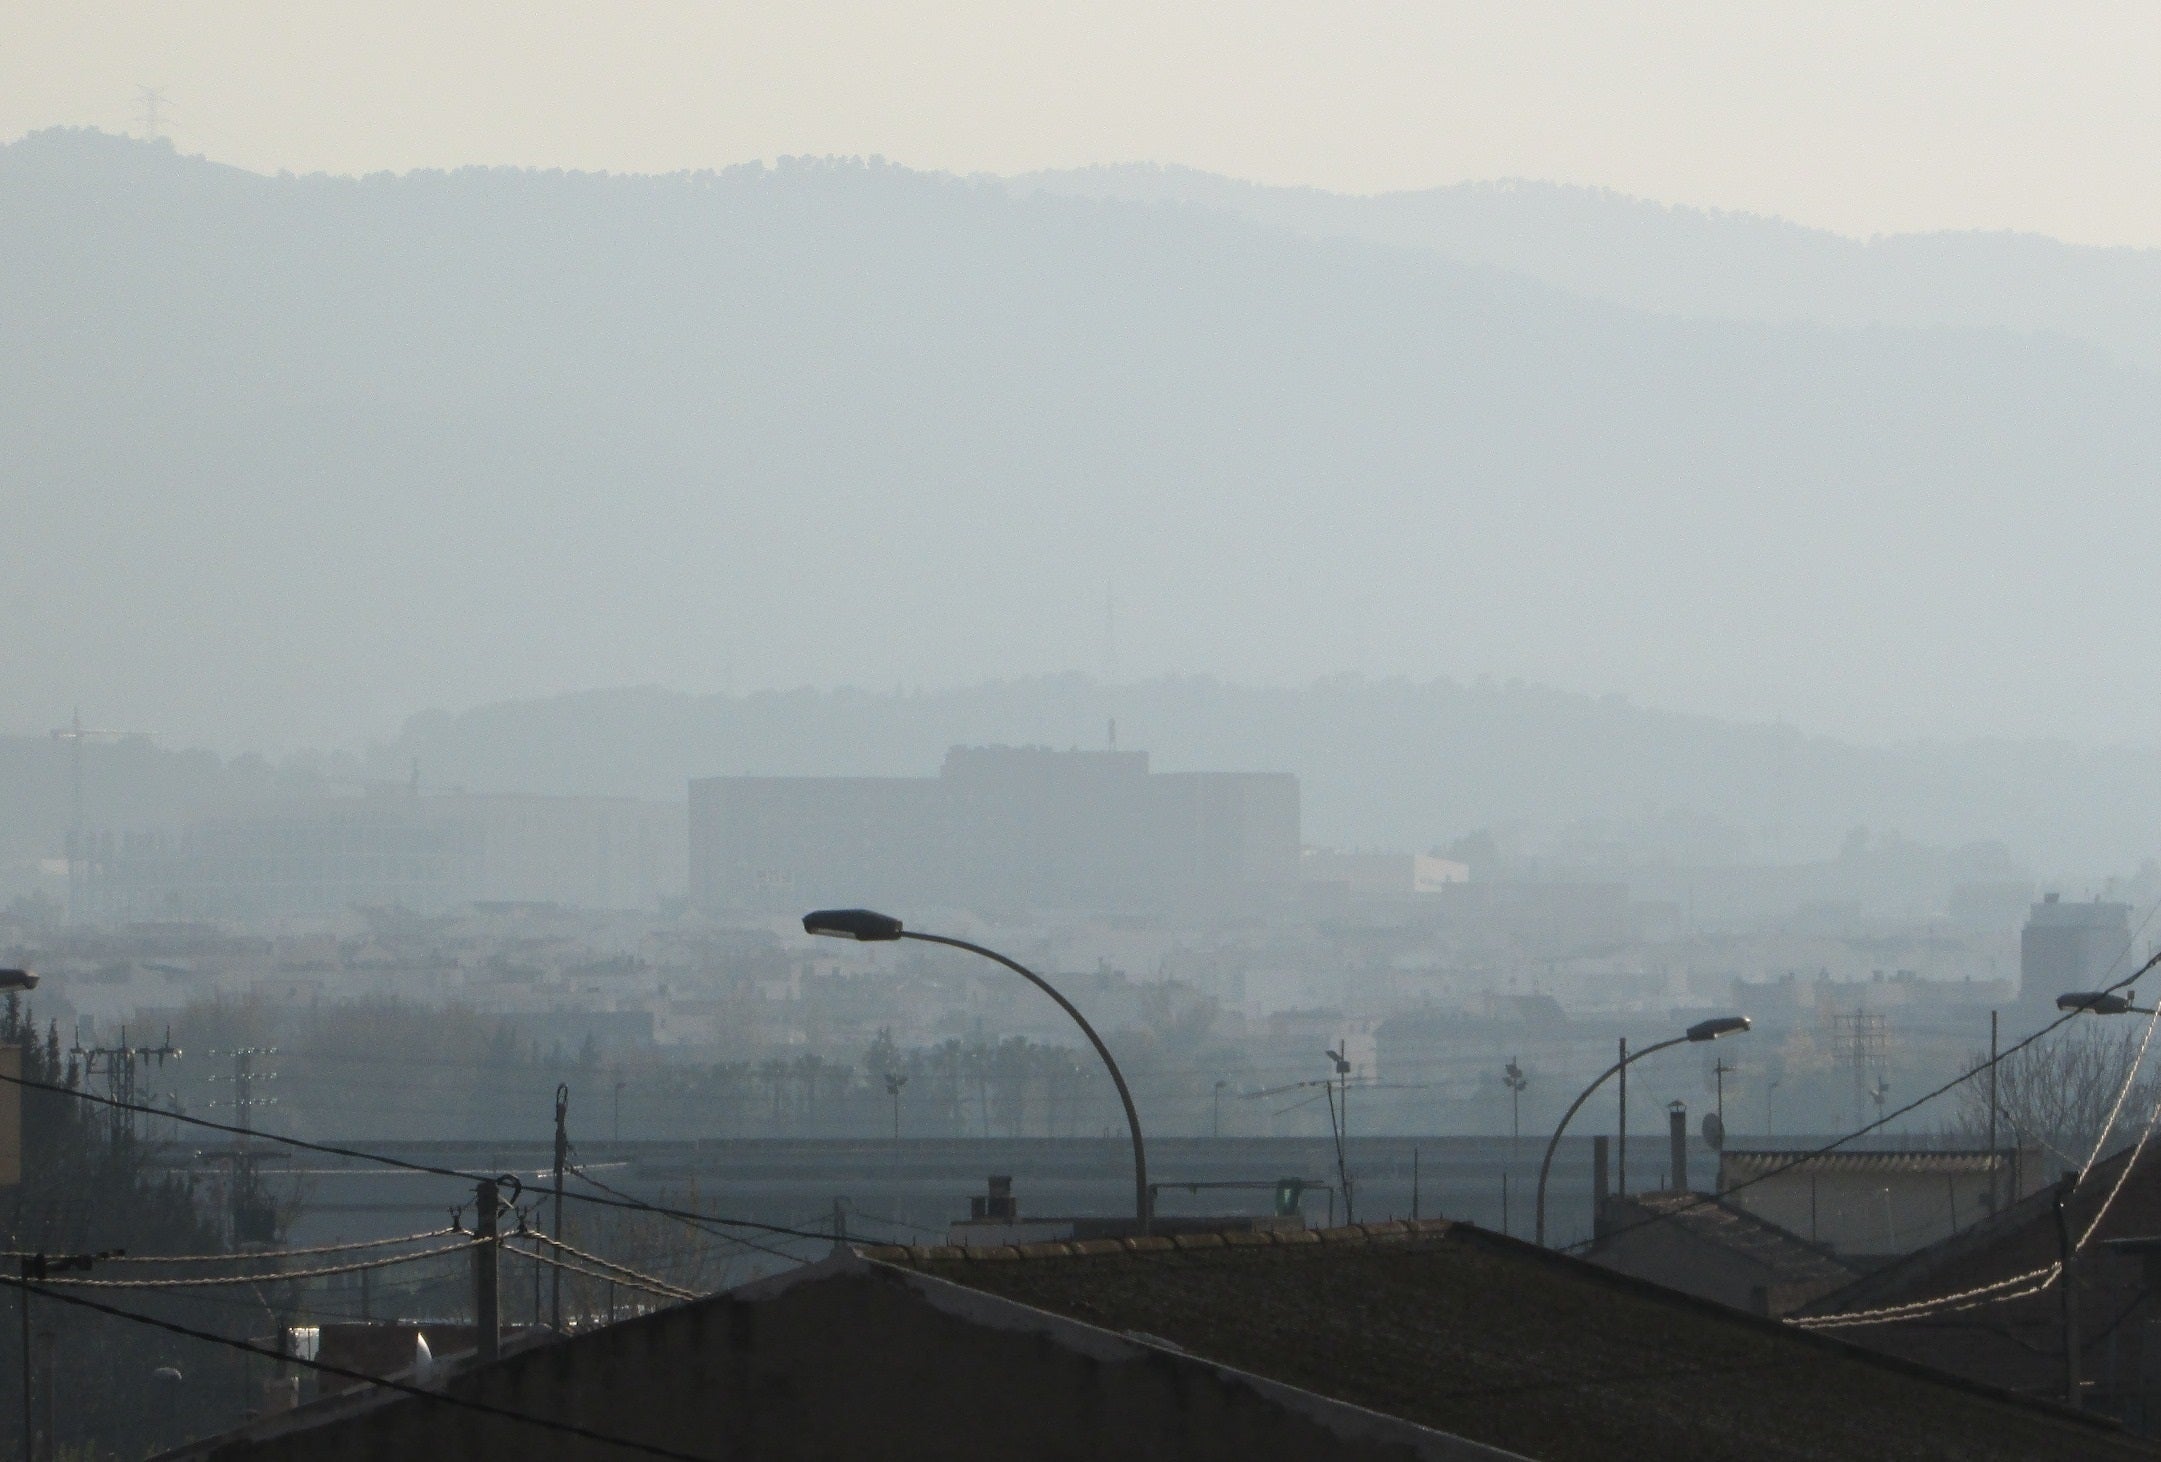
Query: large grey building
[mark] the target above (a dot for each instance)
(999, 828)
(2081, 946)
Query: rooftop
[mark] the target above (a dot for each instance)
(1462, 1330)
(1785, 1257)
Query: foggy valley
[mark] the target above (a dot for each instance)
(1085, 808)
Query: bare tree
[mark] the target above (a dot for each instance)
(2057, 1093)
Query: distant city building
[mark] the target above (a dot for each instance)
(2072, 947)
(1382, 875)
(316, 856)
(999, 827)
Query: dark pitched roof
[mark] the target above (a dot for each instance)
(1745, 1165)
(1488, 1338)
(2018, 1240)
(1791, 1265)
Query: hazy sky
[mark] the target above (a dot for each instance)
(1858, 117)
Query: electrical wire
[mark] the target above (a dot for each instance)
(619, 1200)
(205, 1281)
(1799, 1159)
(2035, 1280)
(444, 1398)
(695, 1220)
(339, 1248)
(577, 1253)
(642, 1282)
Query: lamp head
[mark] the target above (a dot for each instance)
(18, 980)
(2097, 1002)
(1720, 1025)
(866, 925)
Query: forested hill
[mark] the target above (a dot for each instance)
(1693, 261)
(289, 457)
(1382, 763)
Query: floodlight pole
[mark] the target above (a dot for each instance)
(1142, 1214)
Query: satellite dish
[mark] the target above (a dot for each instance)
(1714, 1132)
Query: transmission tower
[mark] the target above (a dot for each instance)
(150, 107)
(119, 1065)
(1867, 1044)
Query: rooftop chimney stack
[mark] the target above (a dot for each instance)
(1677, 1135)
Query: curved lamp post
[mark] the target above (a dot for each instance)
(872, 928)
(1702, 1030)
(2093, 1002)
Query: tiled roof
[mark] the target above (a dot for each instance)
(1485, 1337)
(1788, 1258)
(1751, 1163)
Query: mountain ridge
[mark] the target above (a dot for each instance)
(289, 456)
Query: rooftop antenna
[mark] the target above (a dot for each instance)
(1110, 635)
(1110, 652)
(150, 112)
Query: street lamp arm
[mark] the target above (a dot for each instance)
(1554, 1142)
(1142, 1209)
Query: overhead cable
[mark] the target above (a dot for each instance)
(444, 1398)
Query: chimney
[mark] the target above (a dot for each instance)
(1598, 1186)
(1677, 1135)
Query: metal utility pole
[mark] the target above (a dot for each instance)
(36, 1267)
(22, 1305)
(562, 1155)
(244, 1212)
(1215, 1129)
(840, 1222)
(1719, 1068)
(48, 1343)
(2067, 1290)
(1994, 1177)
(1620, 1163)
(487, 1276)
(1341, 1124)
(893, 1084)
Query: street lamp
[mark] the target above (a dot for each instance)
(2099, 1002)
(871, 927)
(1513, 1078)
(893, 1083)
(1702, 1030)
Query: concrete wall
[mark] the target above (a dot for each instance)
(853, 1360)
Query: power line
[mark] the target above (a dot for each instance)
(443, 1397)
(1698, 1200)
(621, 1200)
(339, 1248)
(695, 1220)
(204, 1281)
(613, 1273)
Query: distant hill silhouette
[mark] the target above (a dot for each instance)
(1383, 764)
(1697, 262)
(288, 457)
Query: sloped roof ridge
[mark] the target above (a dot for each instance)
(1351, 1236)
(1899, 1276)
(1393, 1231)
(1952, 1159)
(1757, 1236)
